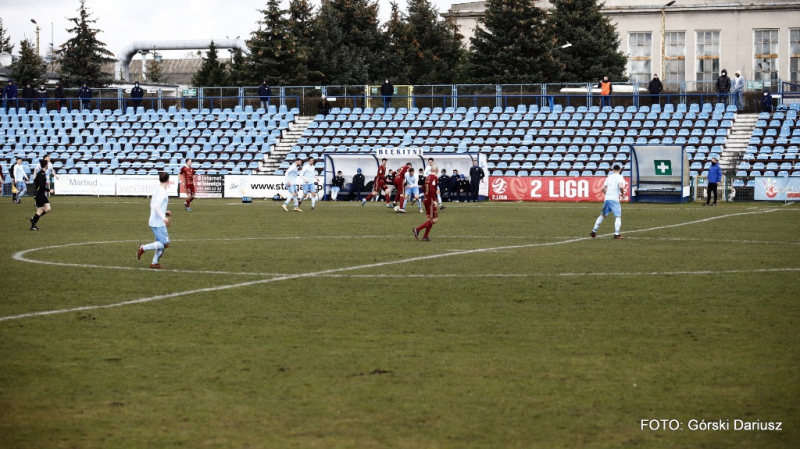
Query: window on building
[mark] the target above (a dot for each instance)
(765, 65)
(794, 56)
(674, 58)
(707, 59)
(640, 50)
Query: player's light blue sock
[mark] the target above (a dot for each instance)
(295, 201)
(597, 223)
(286, 203)
(313, 201)
(617, 225)
(439, 197)
(151, 246)
(158, 254)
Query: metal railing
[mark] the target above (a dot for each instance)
(306, 98)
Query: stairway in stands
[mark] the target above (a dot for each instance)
(285, 144)
(738, 141)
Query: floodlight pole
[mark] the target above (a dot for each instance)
(663, 35)
(37, 36)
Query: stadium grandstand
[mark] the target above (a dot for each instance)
(521, 140)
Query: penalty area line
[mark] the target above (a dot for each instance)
(353, 268)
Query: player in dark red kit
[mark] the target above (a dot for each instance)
(399, 181)
(186, 177)
(431, 184)
(379, 185)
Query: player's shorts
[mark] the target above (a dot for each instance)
(41, 199)
(379, 185)
(612, 207)
(161, 234)
(292, 189)
(412, 191)
(309, 188)
(189, 188)
(431, 210)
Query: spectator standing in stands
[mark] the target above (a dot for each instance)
(137, 93)
(19, 177)
(337, 185)
(738, 90)
(41, 94)
(655, 88)
(28, 95)
(766, 102)
(264, 92)
(605, 91)
(723, 87)
(714, 177)
(10, 94)
(85, 94)
(476, 175)
(60, 97)
(324, 106)
(387, 90)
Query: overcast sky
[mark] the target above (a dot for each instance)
(123, 22)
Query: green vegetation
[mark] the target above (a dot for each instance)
(82, 56)
(512, 328)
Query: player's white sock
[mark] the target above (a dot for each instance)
(597, 223)
(617, 225)
(158, 254)
(286, 203)
(439, 198)
(295, 201)
(151, 246)
(313, 201)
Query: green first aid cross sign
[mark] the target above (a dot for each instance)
(663, 168)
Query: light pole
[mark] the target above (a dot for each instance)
(37, 36)
(663, 35)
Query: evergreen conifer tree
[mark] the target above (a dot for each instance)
(5, 40)
(155, 69)
(83, 55)
(29, 68)
(435, 45)
(301, 25)
(595, 46)
(272, 47)
(512, 44)
(212, 72)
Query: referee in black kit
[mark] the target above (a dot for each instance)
(40, 187)
(475, 175)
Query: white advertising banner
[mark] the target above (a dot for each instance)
(143, 185)
(256, 186)
(85, 185)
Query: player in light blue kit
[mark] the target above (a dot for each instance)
(159, 220)
(309, 176)
(614, 188)
(291, 186)
(412, 188)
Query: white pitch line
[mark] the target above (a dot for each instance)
(525, 275)
(354, 268)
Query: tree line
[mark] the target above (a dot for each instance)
(342, 42)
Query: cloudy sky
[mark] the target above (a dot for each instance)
(125, 21)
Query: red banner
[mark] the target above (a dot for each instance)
(549, 188)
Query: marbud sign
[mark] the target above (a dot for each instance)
(549, 188)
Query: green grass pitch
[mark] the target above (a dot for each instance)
(336, 328)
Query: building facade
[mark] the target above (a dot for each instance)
(759, 38)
